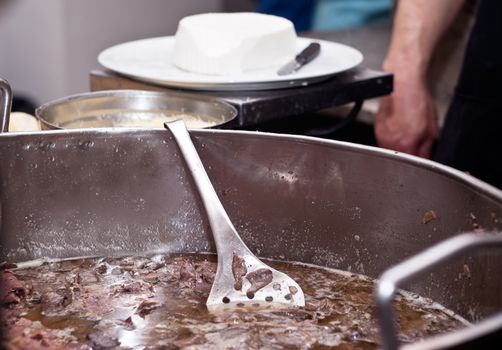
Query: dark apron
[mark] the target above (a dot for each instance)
(471, 139)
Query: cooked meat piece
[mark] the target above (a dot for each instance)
(187, 272)
(134, 287)
(146, 307)
(32, 335)
(169, 273)
(129, 324)
(11, 289)
(87, 277)
(99, 341)
(7, 265)
(258, 279)
(315, 304)
(207, 270)
(239, 270)
(101, 269)
(155, 265)
(56, 301)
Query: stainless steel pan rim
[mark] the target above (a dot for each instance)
(54, 114)
(438, 168)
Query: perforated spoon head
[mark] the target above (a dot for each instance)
(242, 278)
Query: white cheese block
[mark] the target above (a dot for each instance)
(20, 121)
(232, 43)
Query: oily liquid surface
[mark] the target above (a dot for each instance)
(140, 119)
(158, 302)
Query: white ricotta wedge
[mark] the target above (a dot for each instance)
(232, 43)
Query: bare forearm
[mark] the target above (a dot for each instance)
(418, 26)
(407, 120)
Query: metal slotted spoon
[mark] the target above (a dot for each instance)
(241, 278)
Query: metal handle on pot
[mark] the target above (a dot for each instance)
(423, 262)
(5, 104)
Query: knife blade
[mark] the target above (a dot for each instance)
(304, 57)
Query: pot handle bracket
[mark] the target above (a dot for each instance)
(5, 105)
(421, 263)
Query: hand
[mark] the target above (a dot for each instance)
(407, 120)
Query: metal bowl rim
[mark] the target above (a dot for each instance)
(229, 108)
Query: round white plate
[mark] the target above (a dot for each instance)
(150, 60)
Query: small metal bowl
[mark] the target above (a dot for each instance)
(133, 109)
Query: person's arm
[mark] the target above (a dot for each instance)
(407, 120)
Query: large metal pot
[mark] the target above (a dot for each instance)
(101, 192)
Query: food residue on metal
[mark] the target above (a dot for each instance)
(429, 216)
(467, 272)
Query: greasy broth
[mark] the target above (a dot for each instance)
(158, 302)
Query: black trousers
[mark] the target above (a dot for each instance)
(471, 139)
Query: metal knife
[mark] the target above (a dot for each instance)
(304, 57)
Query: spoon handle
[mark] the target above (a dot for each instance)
(222, 228)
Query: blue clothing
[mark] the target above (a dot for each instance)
(343, 14)
(297, 11)
(328, 14)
